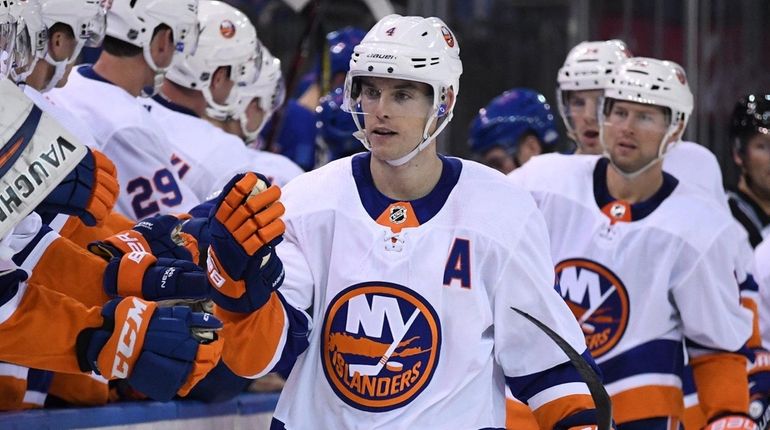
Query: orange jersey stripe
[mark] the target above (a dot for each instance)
(252, 341)
(722, 383)
(82, 235)
(556, 410)
(519, 416)
(647, 402)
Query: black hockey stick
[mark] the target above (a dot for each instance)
(598, 393)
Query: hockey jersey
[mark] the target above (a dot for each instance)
(642, 278)
(411, 303)
(132, 139)
(207, 157)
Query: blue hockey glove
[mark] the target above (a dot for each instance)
(244, 227)
(88, 192)
(160, 351)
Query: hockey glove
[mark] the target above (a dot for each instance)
(141, 274)
(160, 235)
(732, 422)
(160, 351)
(245, 226)
(88, 192)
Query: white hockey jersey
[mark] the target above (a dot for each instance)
(695, 165)
(411, 302)
(132, 139)
(206, 156)
(639, 278)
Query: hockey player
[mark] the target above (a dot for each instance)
(204, 85)
(581, 81)
(82, 338)
(255, 106)
(143, 37)
(512, 128)
(608, 217)
(409, 278)
(750, 138)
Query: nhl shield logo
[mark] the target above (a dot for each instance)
(397, 214)
(618, 210)
(380, 345)
(598, 299)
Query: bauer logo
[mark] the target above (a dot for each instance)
(598, 299)
(380, 345)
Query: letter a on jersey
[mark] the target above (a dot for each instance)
(380, 345)
(458, 265)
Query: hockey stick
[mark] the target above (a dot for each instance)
(598, 393)
(374, 369)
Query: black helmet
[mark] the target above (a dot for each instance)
(750, 116)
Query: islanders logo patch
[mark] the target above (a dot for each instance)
(598, 299)
(380, 345)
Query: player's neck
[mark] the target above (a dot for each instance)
(762, 200)
(637, 189)
(131, 74)
(413, 180)
(184, 97)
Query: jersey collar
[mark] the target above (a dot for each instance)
(87, 71)
(618, 210)
(424, 208)
(168, 104)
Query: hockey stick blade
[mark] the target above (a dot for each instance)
(598, 393)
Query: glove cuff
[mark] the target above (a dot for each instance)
(118, 244)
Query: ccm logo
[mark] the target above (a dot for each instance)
(127, 339)
(137, 249)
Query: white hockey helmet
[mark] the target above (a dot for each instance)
(135, 21)
(8, 32)
(652, 82)
(88, 21)
(411, 48)
(588, 66)
(227, 39)
(32, 37)
(269, 90)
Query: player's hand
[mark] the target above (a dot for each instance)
(245, 226)
(732, 422)
(89, 191)
(141, 274)
(160, 351)
(160, 235)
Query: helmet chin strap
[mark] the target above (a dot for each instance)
(157, 80)
(59, 69)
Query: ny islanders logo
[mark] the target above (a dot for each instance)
(598, 299)
(380, 345)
